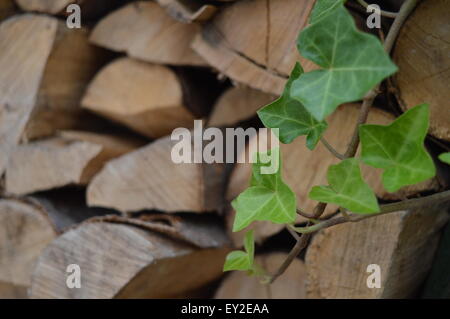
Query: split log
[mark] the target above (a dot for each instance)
(73, 158)
(402, 244)
(148, 179)
(26, 227)
(188, 10)
(25, 42)
(147, 98)
(7, 9)
(254, 42)
(143, 30)
(71, 65)
(236, 105)
(422, 56)
(238, 285)
(303, 169)
(125, 258)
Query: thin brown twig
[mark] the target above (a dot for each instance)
(384, 13)
(405, 10)
(384, 209)
(331, 149)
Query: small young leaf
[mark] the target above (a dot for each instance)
(322, 8)
(352, 62)
(347, 189)
(445, 157)
(399, 149)
(267, 198)
(240, 260)
(291, 117)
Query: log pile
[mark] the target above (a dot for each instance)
(86, 176)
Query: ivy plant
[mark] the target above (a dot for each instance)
(351, 66)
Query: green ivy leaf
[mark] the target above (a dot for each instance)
(291, 117)
(399, 149)
(352, 62)
(322, 8)
(242, 260)
(268, 197)
(347, 189)
(445, 157)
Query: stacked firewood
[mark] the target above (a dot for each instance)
(86, 173)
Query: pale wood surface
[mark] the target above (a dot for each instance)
(254, 42)
(145, 31)
(25, 42)
(402, 244)
(421, 54)
(147, 98)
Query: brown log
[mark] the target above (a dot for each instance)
(73, 158)
(303, 169)
(188, 10)
(237, 104)
(27, 226)
(292, 285)
(402, 244)
(148, 179)
(421, 53)
(254, 42)
(32, 36)
(25, 231)
(143, 30)
(71, 65)
(147, 98)
(129, 258)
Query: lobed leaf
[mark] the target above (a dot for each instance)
(352, 62)
(267, 198)
(347, 189)
(291, 117)
(399, 149)
(242, 260)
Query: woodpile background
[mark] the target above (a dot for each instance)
(85, 171)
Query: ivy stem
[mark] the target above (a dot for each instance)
(384, 209)
(332, 149)
(387, 14)
(302, 242)
(392, 35)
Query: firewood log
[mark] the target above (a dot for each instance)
(32, 36)
(402, 244)
(71, 65)
(130, 258)
(188, 10)
(238, 285)
(254, 42)
(144, 30)
(303, 169)
(41, 88)
(148, 98)
(148, 179)
(237, 104)
(421, 54)
(73, 158)
(27, 226)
